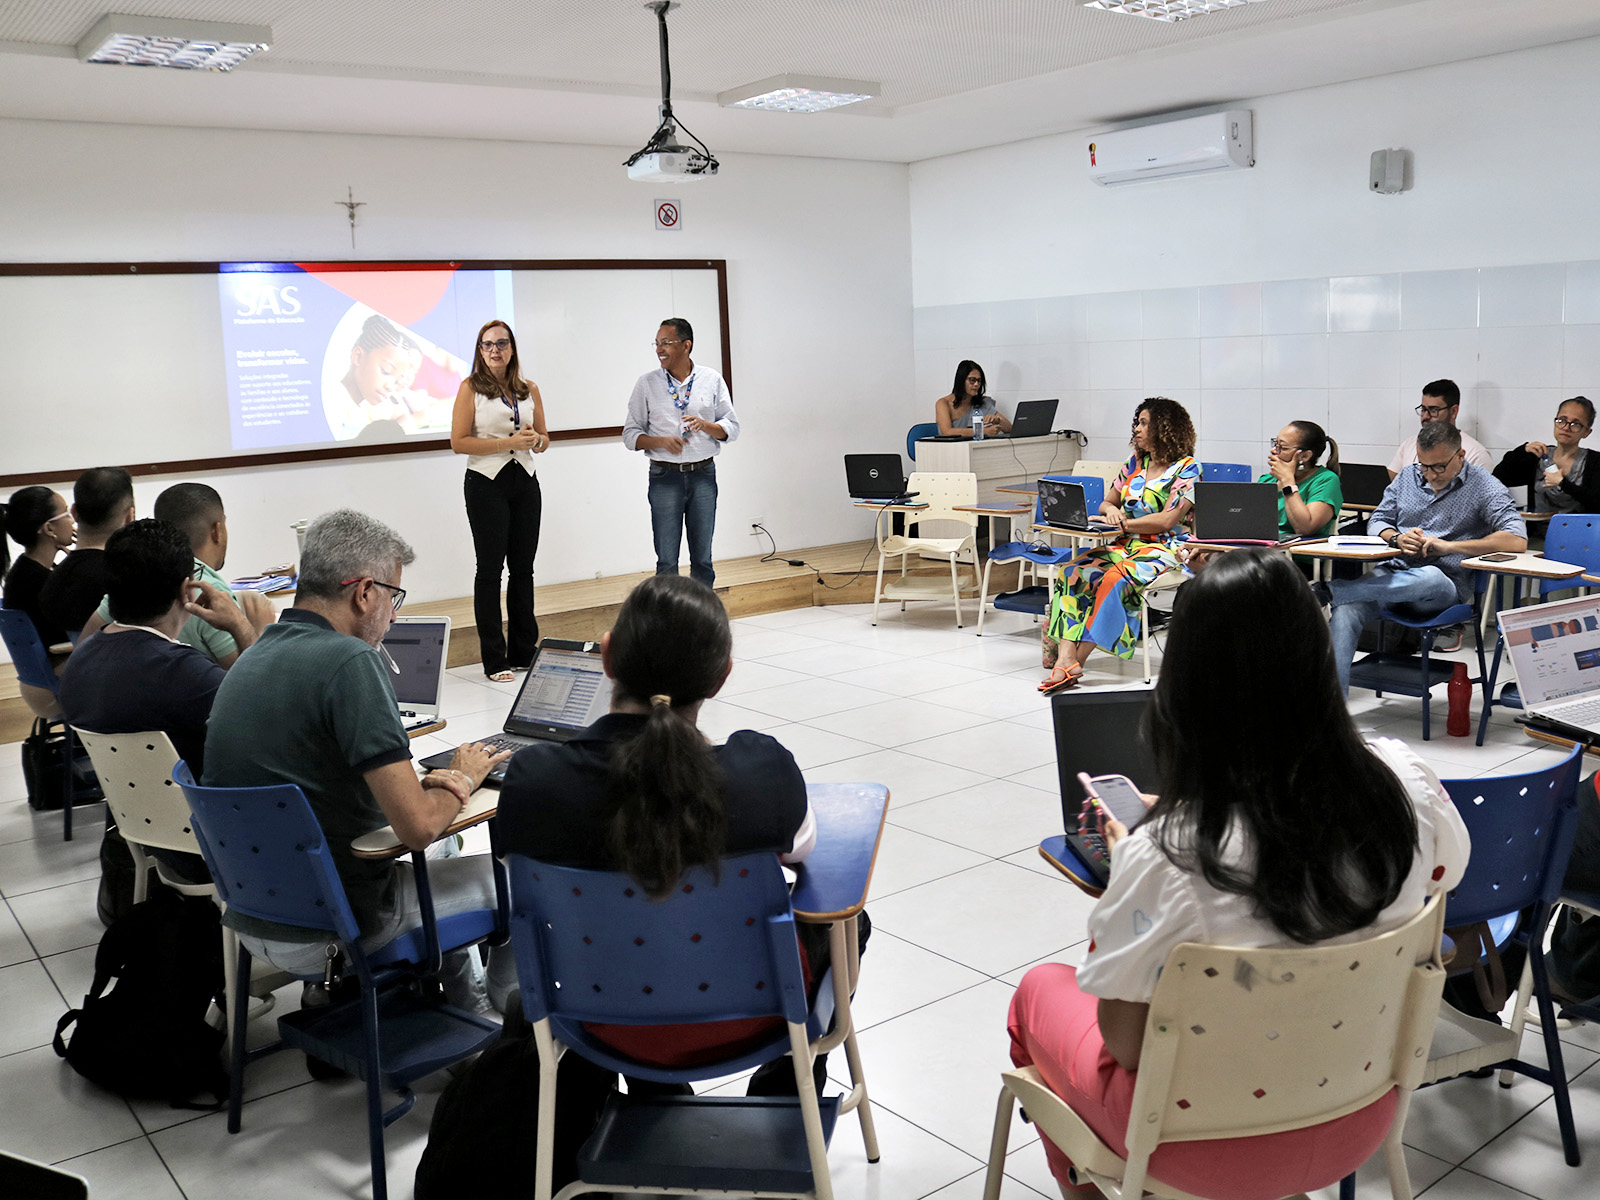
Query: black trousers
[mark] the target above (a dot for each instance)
(1575, 945)
(504, 513)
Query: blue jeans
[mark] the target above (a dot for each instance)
(1422, 591)
(684, 502)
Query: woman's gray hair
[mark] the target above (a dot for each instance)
(348, 545)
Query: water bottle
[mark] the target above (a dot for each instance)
(1459, 721)
(977, 423)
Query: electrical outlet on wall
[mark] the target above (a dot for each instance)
(755, 526)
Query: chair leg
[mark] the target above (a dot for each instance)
(1394, 1157)
(369, 1024)
(955, 589)
(810, 1114)
(236, 1022)
(877, 592)
(230, 984)
(141, 875)
(545, 1128)
(1552, 1046)
(69, 787)
(1519, 1018)
(983, 591)
(1427, 692)
(997, 1145)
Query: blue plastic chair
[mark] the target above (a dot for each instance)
(269, 860)
(1571, 538)
(1522, 828)
(922, 430)
(1033, 598)
(592, 947)
(1382, 672)
(1220, 472)
(32, 662)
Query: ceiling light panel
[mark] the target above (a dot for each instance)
(183, 45)
(1167, 10)
(799, 94)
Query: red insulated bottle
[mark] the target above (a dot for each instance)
(1459, 722)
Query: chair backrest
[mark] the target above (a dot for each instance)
(1522, 829)
(1222, 472)
(1106, 470)
(1245, 1042)
(920, 430)
(941, 491)
(1094, 488)
(1573, 538)
(591, 946)
(26, 650)
(135, 772)
(267, 856)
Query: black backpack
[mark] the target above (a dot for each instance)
(148, 1036)
(44, 751)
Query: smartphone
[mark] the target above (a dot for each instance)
(1116, 795)
(1502, 557)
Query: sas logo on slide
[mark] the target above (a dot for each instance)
(257, 298)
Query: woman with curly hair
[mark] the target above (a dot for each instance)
(1097, 601)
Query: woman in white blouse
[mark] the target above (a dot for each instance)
(498, 423)
(1276, 826)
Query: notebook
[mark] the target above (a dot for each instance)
(1555, 652)
(1100, 732)
(1062, 506)
(564, 692)
(875, 477)
(1363, 483)
(418, 649)
(1236, 512)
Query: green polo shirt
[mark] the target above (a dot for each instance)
(1322, 484)
(313, 707)
(202, 635)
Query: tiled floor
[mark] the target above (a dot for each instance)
(961, 906)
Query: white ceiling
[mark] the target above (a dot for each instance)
(957, 74)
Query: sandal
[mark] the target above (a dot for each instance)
(506, 676)
(1061, 678)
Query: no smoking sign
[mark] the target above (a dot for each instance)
(668, 215)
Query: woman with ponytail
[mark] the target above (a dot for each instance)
(36, 519)
(643, 791)
(1309, 495)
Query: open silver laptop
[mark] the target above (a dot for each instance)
(418, 648)
(1555, 652)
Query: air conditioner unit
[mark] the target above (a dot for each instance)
(1188, 146)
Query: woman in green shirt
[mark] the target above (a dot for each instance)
(1309, 496)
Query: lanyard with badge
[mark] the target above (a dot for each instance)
(681, 404)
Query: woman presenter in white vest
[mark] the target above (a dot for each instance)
(498, 423)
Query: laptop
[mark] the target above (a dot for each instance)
(1033, 418)
(563, 693)
(1555, 652)
(418, 649)
(1236, 512)
(1363, 483)
(875, 477)
(1062, 506)
(1100, 732)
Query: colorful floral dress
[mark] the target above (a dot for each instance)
(1098, 599)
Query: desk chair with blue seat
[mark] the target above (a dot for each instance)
(592, 947)
(1031, 596)
(1223, 472)
(269, 860)
(40, 693)
(916, 433)
(1381, 672)
(1522, 827)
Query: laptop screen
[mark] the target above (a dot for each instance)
(567, 689)
(1100, 731)
(1554, 648)
(418, 648)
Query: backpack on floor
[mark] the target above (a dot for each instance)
(147, 1036)
(44, 751)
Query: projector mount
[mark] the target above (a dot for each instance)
(696, 160)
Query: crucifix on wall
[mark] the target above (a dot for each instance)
(350, 204)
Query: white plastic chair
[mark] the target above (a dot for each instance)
(1248, 1042)
(1106, 469)
(941, 491)
(135, 772)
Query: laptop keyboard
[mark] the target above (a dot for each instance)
(1584, 713)
(502, 741)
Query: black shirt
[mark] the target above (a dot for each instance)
(23, 584)
(74, 590)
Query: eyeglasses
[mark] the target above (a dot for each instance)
(397, 599)
(664, 345)
(500, 344)
(1568, 423)
(1282, 447)
(1429, 410)
(1437, 469)
(66, 516)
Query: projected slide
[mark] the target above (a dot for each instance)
(326, 353)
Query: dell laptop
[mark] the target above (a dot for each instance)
(878, 477)
(418, 649)
(1062, 506)
(1236, 512)
(1555, 652)
(564, 692)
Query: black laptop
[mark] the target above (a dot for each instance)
(875, 477)
(1236, 512)
(1033, 419)
(563, 693)
(1099, 731)
(1363, 483)
(1062, 505)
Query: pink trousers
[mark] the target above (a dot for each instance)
(1054, 1028)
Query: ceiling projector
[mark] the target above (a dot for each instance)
(672, 162)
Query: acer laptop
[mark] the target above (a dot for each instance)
(565, 691)
(418, 648)
(1062, 506)
(1236, 512)
(1555, 652)
(878, 477)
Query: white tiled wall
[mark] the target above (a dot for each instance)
(1350, 353)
